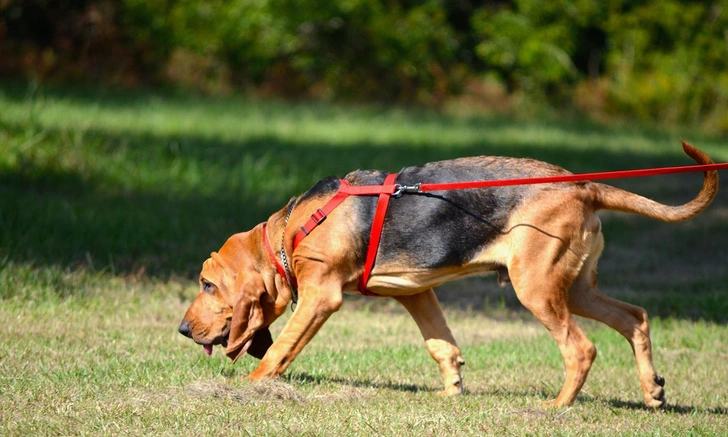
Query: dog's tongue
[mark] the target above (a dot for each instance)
(208, 348)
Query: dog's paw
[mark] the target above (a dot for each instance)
(655, 396)
(450, 391)
(657, 403)
(453, 389)
(552, 403)
(656, 399)
(259, 375)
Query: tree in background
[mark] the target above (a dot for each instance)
(663, 61)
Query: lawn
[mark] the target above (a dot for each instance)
(110, 201)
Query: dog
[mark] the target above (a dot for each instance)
(544, 239)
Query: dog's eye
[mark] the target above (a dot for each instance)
(207, 286)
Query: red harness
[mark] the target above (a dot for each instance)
(385, 191)
(389, 189)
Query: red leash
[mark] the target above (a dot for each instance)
(622, 174)
(389, 189)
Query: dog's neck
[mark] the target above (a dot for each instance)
(275, 279)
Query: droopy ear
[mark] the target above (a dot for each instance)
(239, 322)
(247, 317)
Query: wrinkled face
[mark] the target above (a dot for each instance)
(231, 307)
(208, 319)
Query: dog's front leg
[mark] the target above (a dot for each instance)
(315, 307)
(425, 309)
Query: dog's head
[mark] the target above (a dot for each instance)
(237, 302)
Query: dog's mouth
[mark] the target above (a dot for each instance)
(257, 345)
(222, 341)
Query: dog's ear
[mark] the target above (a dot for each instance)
(247, 316)
(239, 323)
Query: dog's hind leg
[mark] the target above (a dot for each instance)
(631, 322)
(587, 300)
(542, 273)
(578, 352)
(425, 309)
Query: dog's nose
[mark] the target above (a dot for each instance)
(184, 329)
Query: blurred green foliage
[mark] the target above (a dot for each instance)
(350, 49)
(661, 61)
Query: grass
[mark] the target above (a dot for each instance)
(78, 367)
(110, 201)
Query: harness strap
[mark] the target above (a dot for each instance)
(376, 234)
(384, 191)
(345, 190)
(319, 216)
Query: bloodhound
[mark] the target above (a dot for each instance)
(544, 239)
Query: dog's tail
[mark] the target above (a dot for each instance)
(608, 197)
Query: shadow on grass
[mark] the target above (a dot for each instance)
(307, 378)
(542, 394)
(94, 216)
(672, 409)
(612, 404)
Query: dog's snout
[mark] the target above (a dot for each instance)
(184, 329)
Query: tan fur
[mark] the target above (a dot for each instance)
(549, 252)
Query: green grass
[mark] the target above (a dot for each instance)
(110, 201)
(80, 367)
